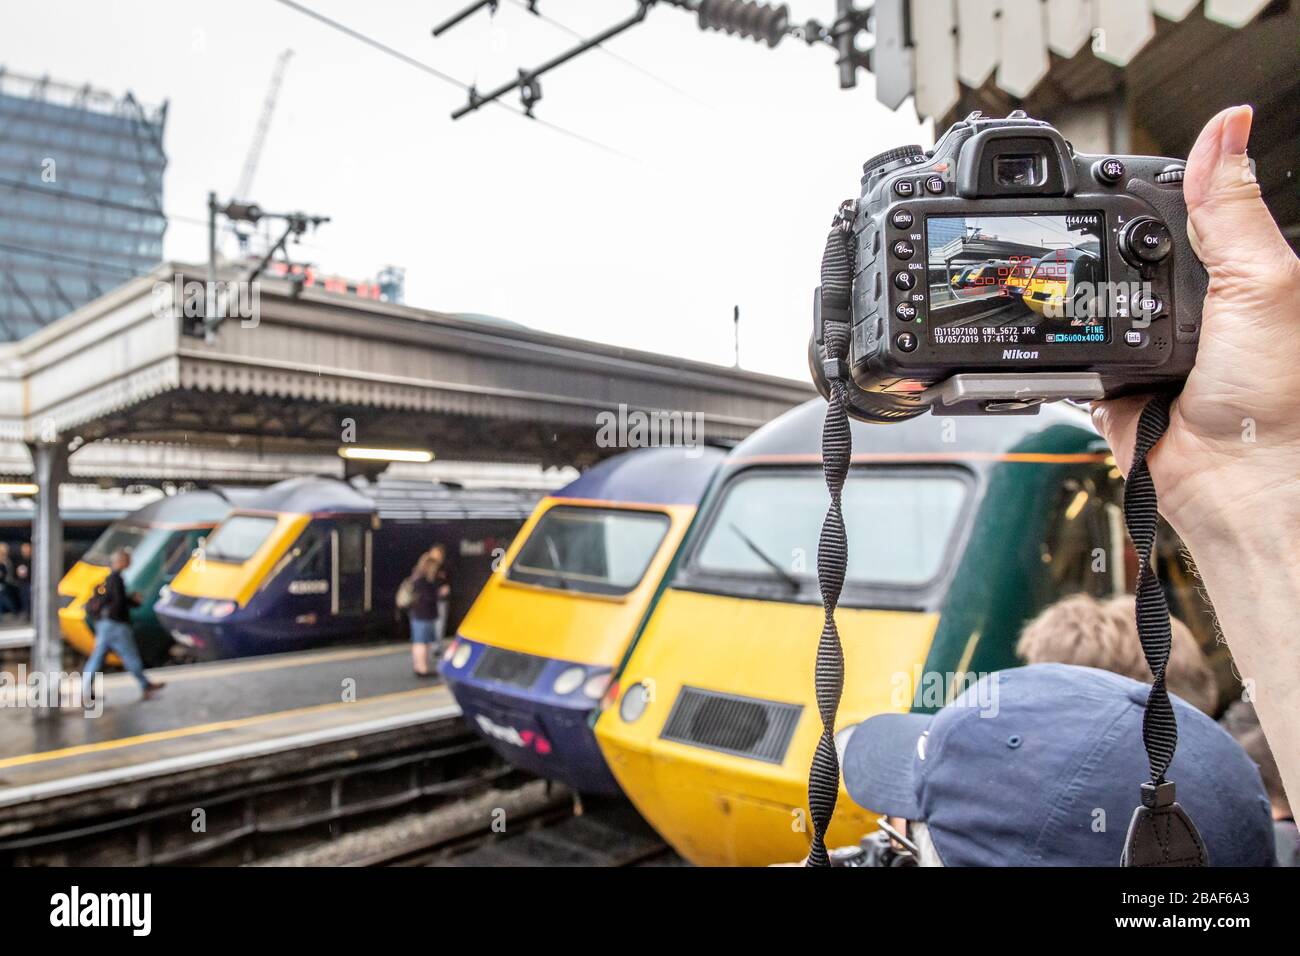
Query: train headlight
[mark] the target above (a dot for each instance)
(570, 679)
(164, 594)
(222, 608)
(634, 703)
(460, 657)
(596, 686)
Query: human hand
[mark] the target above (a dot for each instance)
(1234, 432)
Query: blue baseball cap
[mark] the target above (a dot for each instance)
(1041, 765)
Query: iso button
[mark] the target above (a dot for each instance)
(905, 311)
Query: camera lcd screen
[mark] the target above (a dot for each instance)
(1016, 278)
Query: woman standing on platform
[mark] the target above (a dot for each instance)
(427, 591)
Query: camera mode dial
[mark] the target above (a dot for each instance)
(899, 155)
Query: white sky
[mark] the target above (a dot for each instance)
(725, 199)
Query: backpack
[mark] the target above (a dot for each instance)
(96, 603)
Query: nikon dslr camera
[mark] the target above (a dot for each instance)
(1002, 269)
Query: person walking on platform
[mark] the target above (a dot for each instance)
(8, 592)
(424, 595)
(110, 609)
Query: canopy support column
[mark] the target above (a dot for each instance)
(50, 469)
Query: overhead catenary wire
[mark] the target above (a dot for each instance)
(630, 64)
(444, 77)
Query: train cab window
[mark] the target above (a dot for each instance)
(310, 554)
(899, 526)
(597, 550)
(114, 537)
(1085, 547)
(237, 538)
(178, 552)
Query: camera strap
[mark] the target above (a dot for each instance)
(832, 546)
(1160, 832)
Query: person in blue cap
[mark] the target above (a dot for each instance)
(1042, 769)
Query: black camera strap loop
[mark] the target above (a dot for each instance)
(1160, 832)
(832, 546)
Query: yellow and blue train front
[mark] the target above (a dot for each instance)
(534, 656)
(212, 607)
(712, 722)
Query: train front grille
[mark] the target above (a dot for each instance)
(181, 602)
(744, 726)
(509, 667)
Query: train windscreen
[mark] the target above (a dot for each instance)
(900, 527)
(597, 550)
(238, 538)
(114, 538)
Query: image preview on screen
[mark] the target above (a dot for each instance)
(1009, 279)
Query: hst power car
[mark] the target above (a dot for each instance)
(161, 536)
(533, 657)
(1058, 277)
(1018, 276)
(959, 530)
(312, 561)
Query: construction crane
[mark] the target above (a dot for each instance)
(263, 125)
(244, 188)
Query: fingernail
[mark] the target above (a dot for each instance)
(1236, 131)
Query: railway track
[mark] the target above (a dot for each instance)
(543, 825)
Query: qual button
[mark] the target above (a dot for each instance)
(904, 280)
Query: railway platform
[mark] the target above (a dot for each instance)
(220, 738)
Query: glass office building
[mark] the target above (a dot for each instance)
(81, 189)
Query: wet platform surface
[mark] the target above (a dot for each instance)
(214, 713)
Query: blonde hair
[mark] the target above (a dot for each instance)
(1080, 629)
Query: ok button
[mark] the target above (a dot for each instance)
(903, 249)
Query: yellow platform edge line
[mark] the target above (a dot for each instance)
(177, 733)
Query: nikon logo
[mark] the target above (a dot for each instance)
(1018, 354)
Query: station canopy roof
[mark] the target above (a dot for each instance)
(320, 369)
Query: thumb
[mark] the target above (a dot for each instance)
(1230, 227)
